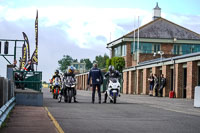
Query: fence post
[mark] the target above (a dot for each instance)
(12, 89)
(9, 89)
(1, 91)
(10, 72)
(5, 91)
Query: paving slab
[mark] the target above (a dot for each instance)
(29, 119)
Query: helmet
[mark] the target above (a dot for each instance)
(57, 72)
(111, 68)
(70, 69)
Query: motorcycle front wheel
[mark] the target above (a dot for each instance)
(114, 98)
(69, 96)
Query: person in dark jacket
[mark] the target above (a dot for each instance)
(112, 73)
(97, 79)
(29, 66)
(162, 84)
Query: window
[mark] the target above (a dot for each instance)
(177, 49)
(156, 47)
(186, 49)
(133, 47)
(117, 50)
(190, 48)
(146, 48)
(124, 50)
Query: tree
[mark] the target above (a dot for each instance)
(108, 63)
(101, 60)
(117, 62)
(88, 63)
(65, 62)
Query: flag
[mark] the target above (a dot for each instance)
(24, 57)
(34, 57)
(27, 42)
(35, 54)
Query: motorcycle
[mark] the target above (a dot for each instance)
(113, 90)
(69, 88)
(50, 86)
(56, 88)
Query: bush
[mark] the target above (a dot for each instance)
(117, 62)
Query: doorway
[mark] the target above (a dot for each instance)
(184, 82)
(172, 79)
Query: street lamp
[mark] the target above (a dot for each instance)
(159, 52)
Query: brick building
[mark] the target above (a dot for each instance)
(177, 56)
(140, 50)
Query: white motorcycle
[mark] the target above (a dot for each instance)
(113, 90)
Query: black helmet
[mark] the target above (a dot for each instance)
(57, 72)
(111, 68)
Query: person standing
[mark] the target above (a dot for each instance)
(162, 84)
(151, 84)
(156, 84)
(97, 79)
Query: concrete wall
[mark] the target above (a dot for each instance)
(6, 90)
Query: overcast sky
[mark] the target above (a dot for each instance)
(81, 28)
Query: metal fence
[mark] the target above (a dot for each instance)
(31, 80)
(6, 98)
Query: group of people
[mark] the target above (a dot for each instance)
(69, 72)
(96, 77)
(156, 84)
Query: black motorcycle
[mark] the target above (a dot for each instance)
(68, 89)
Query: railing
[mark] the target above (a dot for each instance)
(31, 80)
(7, 99)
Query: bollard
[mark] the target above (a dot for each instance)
(197, 97)
(1, 91)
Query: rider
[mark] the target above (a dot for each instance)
(56, 75)
(112, 73)
(70, 72)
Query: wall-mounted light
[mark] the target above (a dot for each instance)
(175, 39)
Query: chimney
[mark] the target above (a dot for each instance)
(156, 12)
